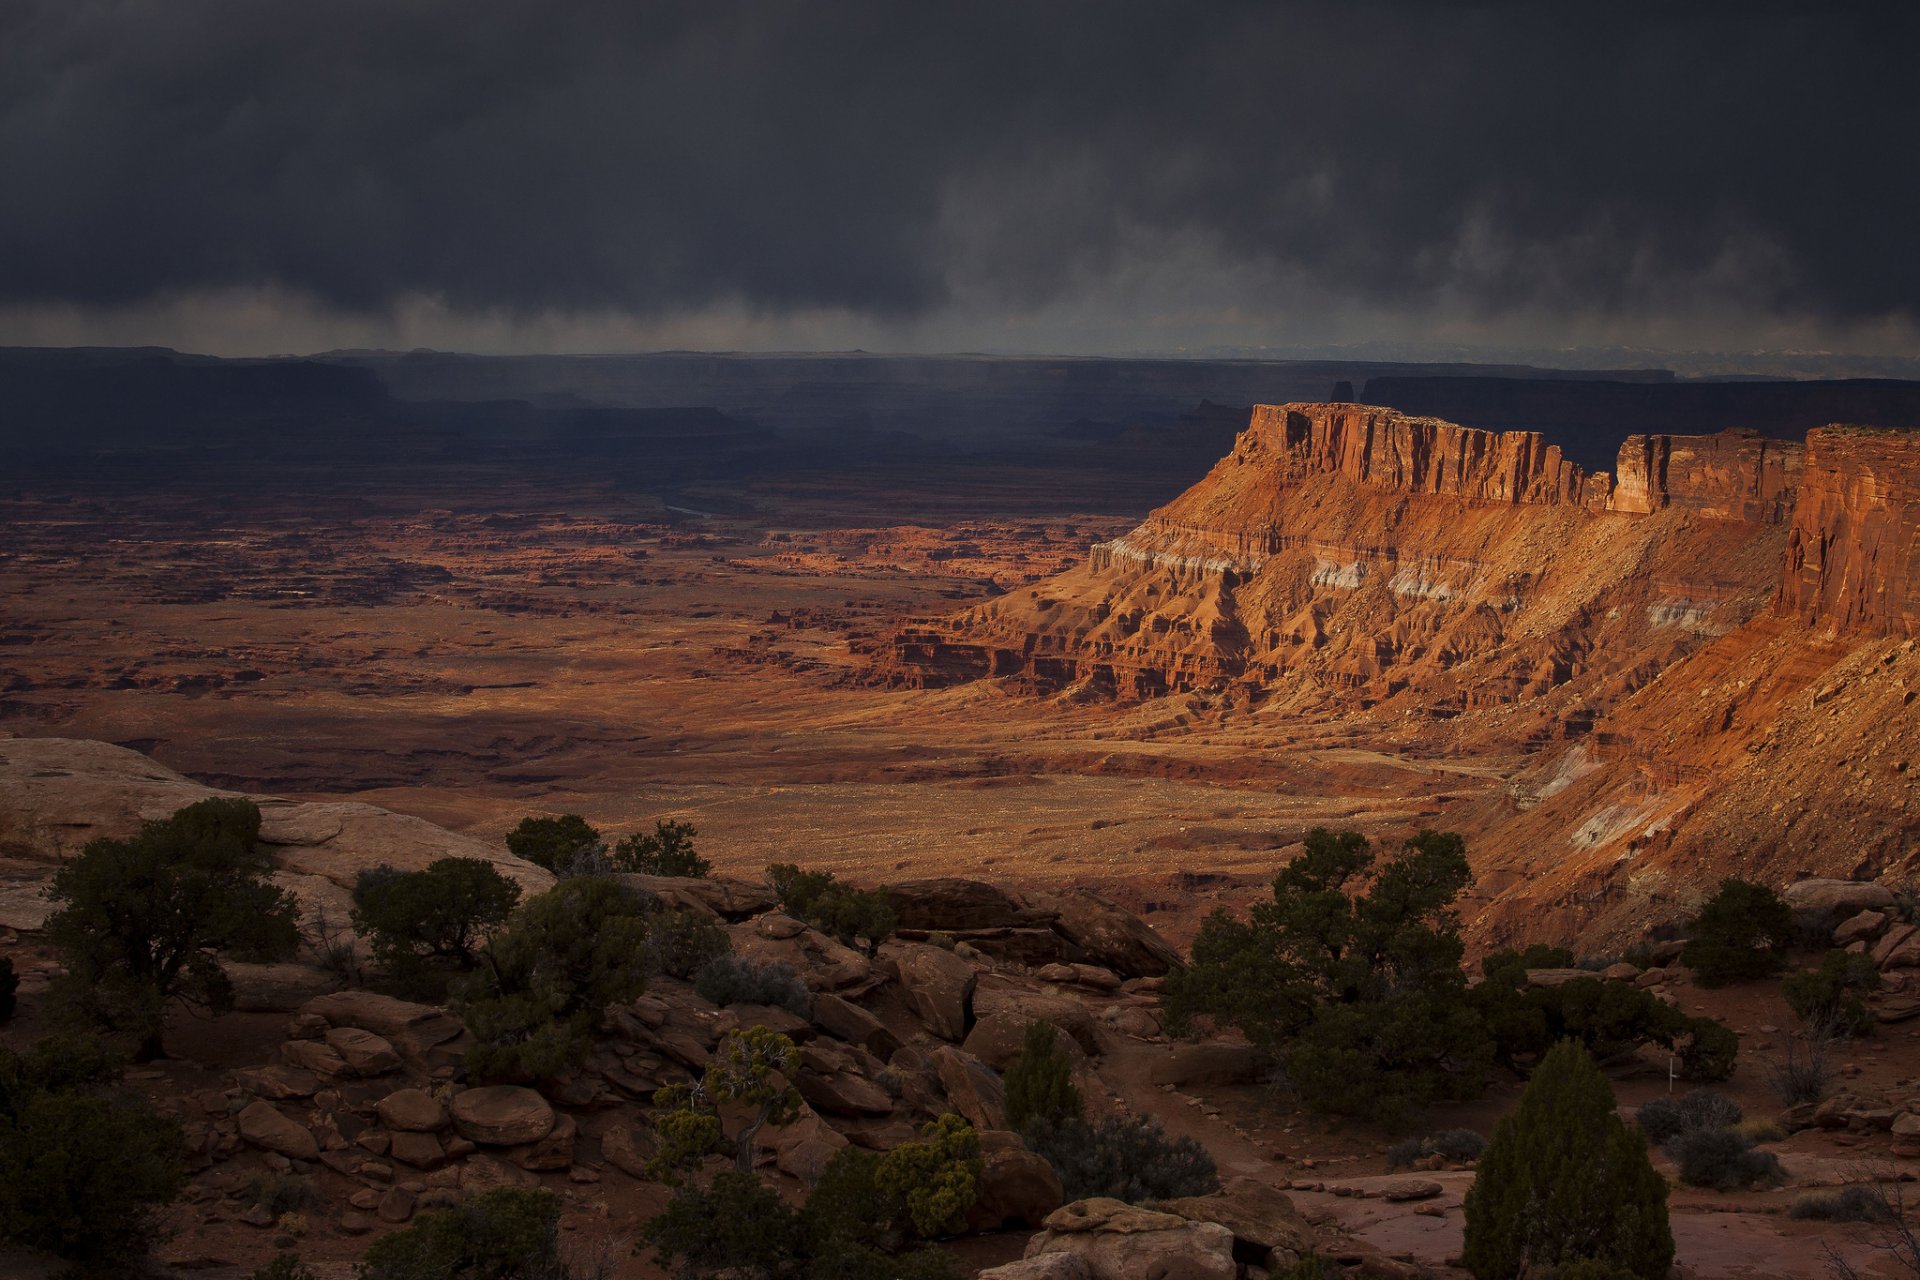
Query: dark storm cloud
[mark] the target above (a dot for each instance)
(887, 158)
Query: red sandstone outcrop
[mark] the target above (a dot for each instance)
(1853, 558)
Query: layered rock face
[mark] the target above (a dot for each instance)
(1345, 557)
(1853, 559)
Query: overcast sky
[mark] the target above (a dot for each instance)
(250, 176)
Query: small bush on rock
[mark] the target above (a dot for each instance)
(1832, 995)
(543, 982)
(509, 1233)
(1040, 1085)
(1723, 1159)
(1664, 1119)
(831, 906)
(1743, 932)
(551, 842)
(442, 914)
(680, 943)
(731, 979)
(1857, 1203)
(667, 851)
(1126, 1158)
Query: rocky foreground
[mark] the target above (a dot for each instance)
(355, 1095)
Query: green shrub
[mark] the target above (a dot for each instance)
(668, 851)
(84, 1167)
(285, 1266)
(1723, 1159)
(1564, 1180)
(509, 1233)
(444, 913)
(1126, 1158)
(1350, 974)
(1664, 1119)
(1832, 994)
(748, 1072)
(146, 920)
(680, 943)
(1607, 1018)
(1856, 1203)
(551, 842)
(936, 1178)
(1743, 932)
(1510, 966)
(732, 1226)
(543, 982)
(731, 979)
(1040, 1084)
(277, 1192)
(831, 906)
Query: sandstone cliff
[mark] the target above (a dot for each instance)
(1706, 655)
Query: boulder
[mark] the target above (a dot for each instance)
(1262, 1219)
(1864, 927)
(998, 1039)
(314, 1055)
(849, 1022)
(938, 987)
(1048, 1266)
(1900, 949)
(501, 1115)
(1837, 898)
(278, 1081)
(421, 1150)
(480, 1174)
(998, 994)
(1109, 934)
(553, 1152)
(1122, 1242)
(802, 1149)
(396, 1205)
(627, 1149)
(1016, 1187)
(1205, 1062)
(972, 1087)
(412, 1111)
(714, 896)
(416, 1027)
(1556, 977)
(365, 1053)
(778, 927)
(843, 1093)
(262, 1125)
(949, 904)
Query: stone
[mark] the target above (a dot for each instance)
(1204, 1062)
(1621, 972)
(1409, 1189)
(972, 1087)
(1555, 977)
(938, 987)
(396, 1205)
(710, 895)
(1122, 1242)
(1110, 935)
(1899, 949)
(999, 1039)
(315, 1056)
(802, 1149)
(501, 1115)
(421, 1150)
(1132, 1020)
(258, 1216)
(1262, 1218)
(627, 1149)
(843, 1093)
(1906, 1125)
(276, 1080)
(1651, 978)
(949, 904)
(1048, 1266)
(778, 927)
(849, 1022)
(412, 1110)
(1016, 1186)
(1835, 897)
(262, 1125)
(418, 1027)
(365, 1053)
(553, 1152)
(1864, 927)
(353, 1223)
(483, 1173)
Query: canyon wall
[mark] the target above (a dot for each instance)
(1700, 664)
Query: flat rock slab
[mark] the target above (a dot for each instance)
(501, 1115)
